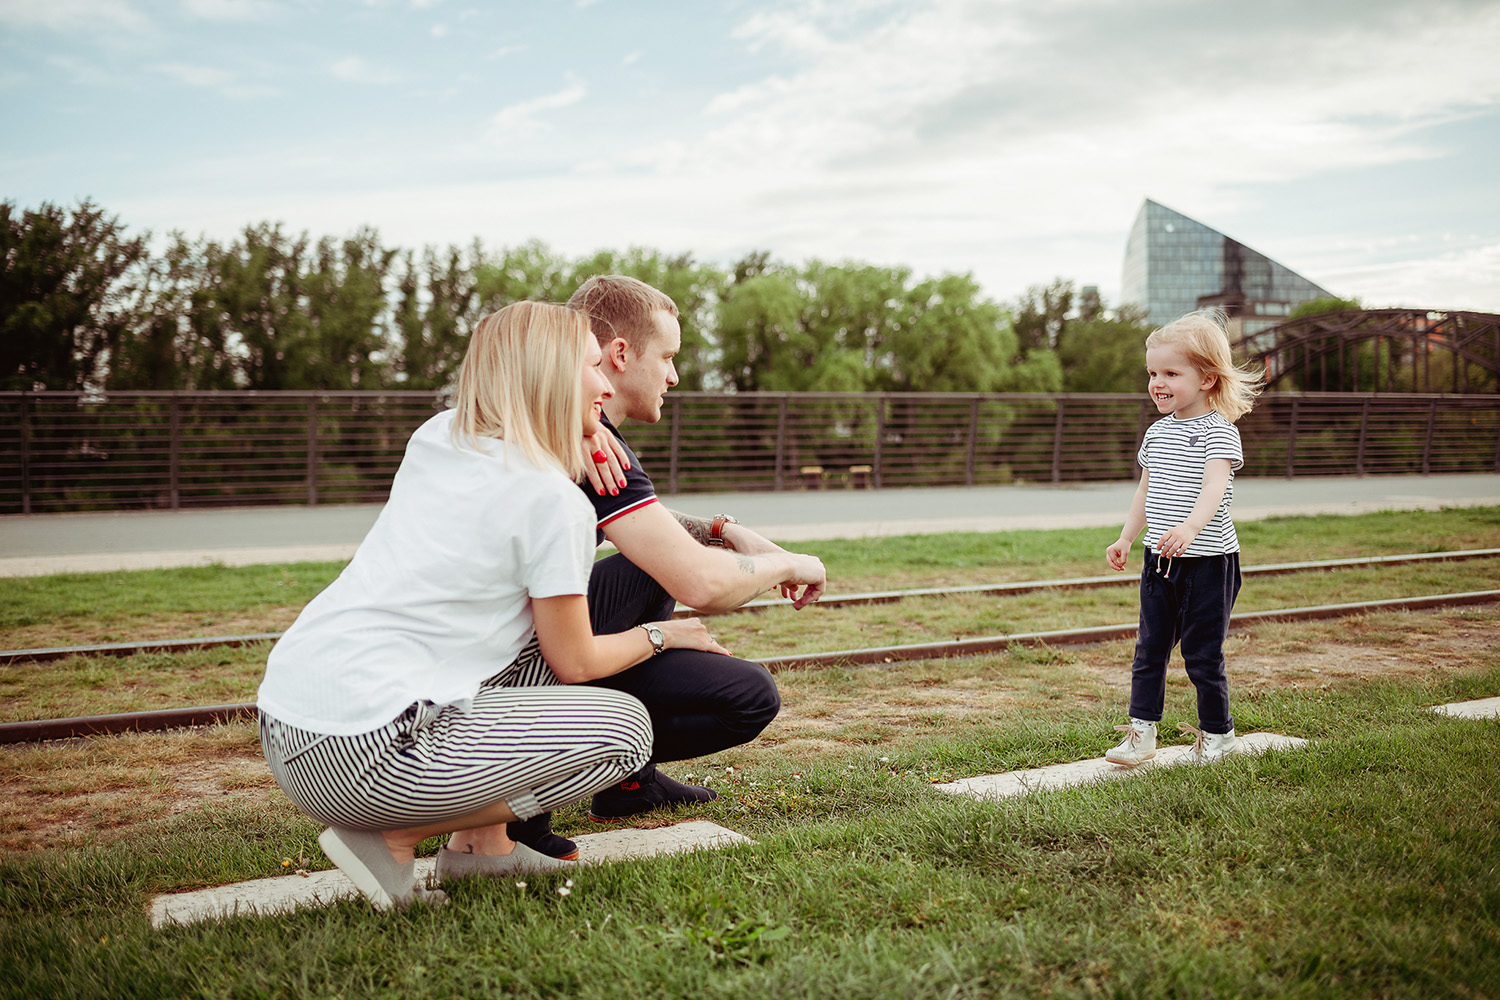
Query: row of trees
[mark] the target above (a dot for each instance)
(85, 305)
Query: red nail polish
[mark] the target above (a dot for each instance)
(622, 484)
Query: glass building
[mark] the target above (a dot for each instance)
(1174, 265)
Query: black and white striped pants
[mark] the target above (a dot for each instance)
(528, 740)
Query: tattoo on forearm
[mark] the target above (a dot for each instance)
(747, 565)
(698, 527)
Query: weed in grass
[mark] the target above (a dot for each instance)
(726, 937)
(1038, 652)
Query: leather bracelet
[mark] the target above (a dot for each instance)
(716, 530)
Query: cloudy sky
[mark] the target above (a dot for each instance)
(1355, 141)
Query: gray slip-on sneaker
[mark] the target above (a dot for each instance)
(363, 856)
(522, 860)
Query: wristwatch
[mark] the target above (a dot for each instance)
(716, 530)
(658, 641)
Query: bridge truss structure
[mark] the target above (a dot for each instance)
(1382, 350)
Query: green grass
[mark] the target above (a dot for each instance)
(88, 685)
(77, 609)
(82, 608)
(1365, 865)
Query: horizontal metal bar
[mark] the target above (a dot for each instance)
(1106, 633)
(52, 653)
(110, 725)
(51, 729)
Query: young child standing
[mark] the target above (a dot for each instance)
(1192, 564)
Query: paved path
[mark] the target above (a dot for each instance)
(1087, 772)
(287, 892)
(283, 893)
(54, 543)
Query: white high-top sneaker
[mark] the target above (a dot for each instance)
(1138, 746)
(1209, 747)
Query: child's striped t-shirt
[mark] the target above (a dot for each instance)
(1174, 454)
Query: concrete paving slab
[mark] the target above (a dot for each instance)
(1483, 708)
(284, 893)
(1085, 772)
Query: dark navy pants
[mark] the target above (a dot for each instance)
(699, 702)
(1189, 601)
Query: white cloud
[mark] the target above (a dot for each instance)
(72, 15)
(197, 76)
(353, 69)
(1014, 140)
(1466, 278)
(439, 30)
(229, 10)
(214, 78)
(522, 118)
(948, 130)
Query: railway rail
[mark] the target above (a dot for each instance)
(48, 653)
(51, 729)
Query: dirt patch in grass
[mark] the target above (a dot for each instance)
(95, 790)
(98, 789)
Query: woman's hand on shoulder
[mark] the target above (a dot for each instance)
(689, 633)
(609, 475)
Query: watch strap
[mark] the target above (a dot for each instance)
(658, 641)
(716, 529)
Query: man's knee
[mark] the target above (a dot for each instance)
(757, 700)
(622, 595)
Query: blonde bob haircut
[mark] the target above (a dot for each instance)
(520, 383)
(1202, 337)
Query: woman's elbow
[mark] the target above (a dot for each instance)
(568, 669)
(571, 673)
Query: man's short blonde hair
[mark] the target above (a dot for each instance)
(618, 305)
(521, 382)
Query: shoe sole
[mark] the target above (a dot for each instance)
(1130, 763)
(616, 819)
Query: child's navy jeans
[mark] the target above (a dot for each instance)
(1187, 600)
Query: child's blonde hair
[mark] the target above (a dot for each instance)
(520, 382)
(1202, 336)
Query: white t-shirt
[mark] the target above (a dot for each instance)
(437, 598)
(1175, 453)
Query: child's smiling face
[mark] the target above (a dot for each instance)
(1175, 385)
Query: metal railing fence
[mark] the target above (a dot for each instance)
(68, 451)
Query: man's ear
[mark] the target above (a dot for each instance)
(616, 353)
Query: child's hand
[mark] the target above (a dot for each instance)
(1116, 554)
(1174, 541)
